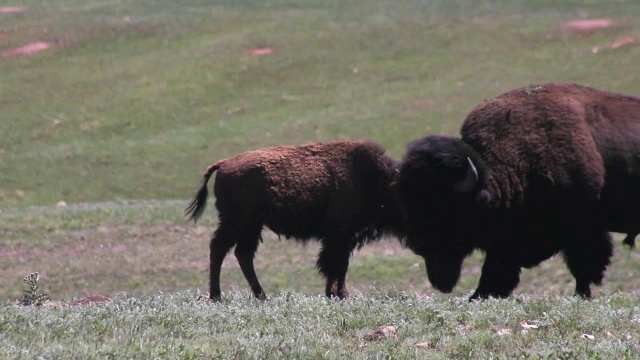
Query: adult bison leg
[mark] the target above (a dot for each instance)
(333, 263)
(222, 241)
(630, 239)
(587, 255)
(248, 241)
(498, 279)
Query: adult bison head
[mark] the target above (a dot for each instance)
(440, 186)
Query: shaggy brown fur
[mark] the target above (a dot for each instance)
(557, 166)
(569, 136)
(337, 192)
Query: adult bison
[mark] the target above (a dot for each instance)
(539, 170)
(337, 192)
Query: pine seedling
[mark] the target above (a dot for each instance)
(32, 295)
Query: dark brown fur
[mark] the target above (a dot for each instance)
(568, 136)
(558, 166)
(337, 192)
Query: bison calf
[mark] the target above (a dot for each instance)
(336, 192)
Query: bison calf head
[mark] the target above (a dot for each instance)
(440, 186)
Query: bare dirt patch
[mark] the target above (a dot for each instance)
(90, 300)
(12, 9)
(165, 256)
(621, 42)
(27, 50)
(97, 259)
(260, 51)
(587, 25)
(624, 41)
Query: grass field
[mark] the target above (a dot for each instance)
(133, 99)
(294, 326)
(146, 248)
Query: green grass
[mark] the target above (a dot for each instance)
(135, 98)
(295, 326)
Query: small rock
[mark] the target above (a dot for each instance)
(382, 332)
(525, 325)
(587, 336)
(204, 297)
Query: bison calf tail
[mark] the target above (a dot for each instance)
(196, 207)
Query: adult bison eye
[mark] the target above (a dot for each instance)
(470, 180)
(483, 197)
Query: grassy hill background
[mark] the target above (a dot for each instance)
(135, 98)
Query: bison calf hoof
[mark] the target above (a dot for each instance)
(336, 294)
(207, 298)
(338, 297)
(477, 296)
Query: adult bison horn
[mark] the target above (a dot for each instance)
(469, 181)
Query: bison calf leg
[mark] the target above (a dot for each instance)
(498, 279)
(245, 252)
(587, 256)
(221, 242)
(334, 289)
(333, 263)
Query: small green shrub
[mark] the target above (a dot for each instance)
(32, 295)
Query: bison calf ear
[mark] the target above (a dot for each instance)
(483, 196)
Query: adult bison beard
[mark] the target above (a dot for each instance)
(443, 270)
